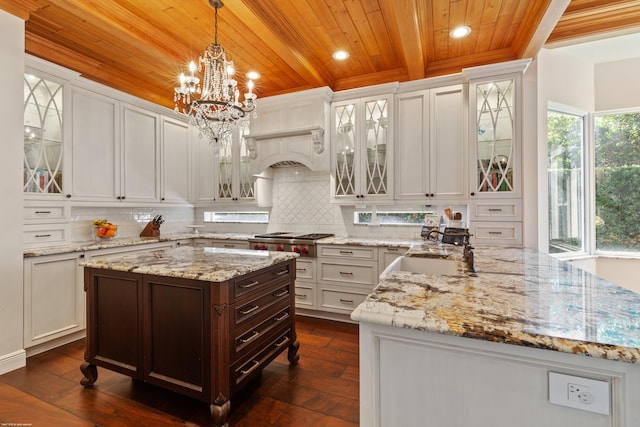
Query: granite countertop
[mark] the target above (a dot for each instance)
(208, 264)
(129, 241)
(517, 296)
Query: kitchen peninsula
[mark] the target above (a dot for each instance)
(480, 349)
(198, 321)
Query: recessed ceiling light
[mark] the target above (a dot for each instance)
(253, 75)
(461, 31)
(340, 55)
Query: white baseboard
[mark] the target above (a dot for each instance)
(12, 361)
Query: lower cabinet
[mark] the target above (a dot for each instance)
(306, 283)
(53, 298)
(346, 275)
(221, 243)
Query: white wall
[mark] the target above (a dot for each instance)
(617, 85)
(12, 354)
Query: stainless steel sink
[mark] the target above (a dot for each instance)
(423, 265)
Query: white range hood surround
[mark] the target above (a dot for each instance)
(291, 129)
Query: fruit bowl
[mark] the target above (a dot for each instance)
(105, 230)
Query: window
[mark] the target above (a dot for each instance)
(390, 217)
(565, 170)
(237, 217)
(617, 179)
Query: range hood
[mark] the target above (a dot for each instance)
(304, 146)
(289, 130)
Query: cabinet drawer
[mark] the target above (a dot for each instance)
(341, 301)
(357, 252)
(349, 272)
(305, 295)
(38, 236)
(45, 213)
(251, 365)
(253, 309)
(228, 244)
(497, 233)
(249, 338)
(245, 286)
(502, 210)
(306, 269)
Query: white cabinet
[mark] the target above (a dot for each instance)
(53, 298)
(220, 243)
(362, 150)
(45, 164)
(431, 146)
(306, 283)
(46, 223)
(175, 185)
(346, 275)
(95, 146)
(387, 254)
(140, 155)
(205, 169)
(233, 180)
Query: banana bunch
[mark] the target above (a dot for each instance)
(100, 222)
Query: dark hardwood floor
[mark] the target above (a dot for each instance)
(322, 390)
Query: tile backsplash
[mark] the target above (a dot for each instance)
(300, 204)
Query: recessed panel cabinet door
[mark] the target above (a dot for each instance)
(95, 146)
(140, 151)
(175, 161)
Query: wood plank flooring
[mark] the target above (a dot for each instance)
(322, 390)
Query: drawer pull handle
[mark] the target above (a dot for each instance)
(301, 269)
(249, 310)
(392, 249)
(43, 212)
(346, 273)
(229, 246)
(253, 336)
(495, 209)
(251, 369)
(283, 342)
(346, 301)
(282, 317)
(282, 273)
(250, 285)
(301, 296)
(43, 235)
(346, 252)
(282, 293)
(499, 233)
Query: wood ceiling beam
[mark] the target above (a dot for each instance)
(403, 16)
(537, 27)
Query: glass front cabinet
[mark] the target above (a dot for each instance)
(495, 137)
(234, 181)
(43, 169)
(361, 166)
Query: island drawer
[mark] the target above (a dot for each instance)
(256, 282)
(249, 338)
(250, 366)
(245, 311)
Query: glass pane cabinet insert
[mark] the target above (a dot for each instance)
(247, 180)
(235, 181)
(42, 135)
(345, 150)
(495, 133)
(376, 146)
(225, 168)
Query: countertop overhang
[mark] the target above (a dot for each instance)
(518, 296)
(207, 264)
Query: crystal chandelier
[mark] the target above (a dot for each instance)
(213, 106)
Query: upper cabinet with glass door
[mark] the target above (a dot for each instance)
(495, 128)
(361, 137)
(234, 181)
(43, 136)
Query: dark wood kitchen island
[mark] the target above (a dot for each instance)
(198, 321)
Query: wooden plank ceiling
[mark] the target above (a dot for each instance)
(140, 46)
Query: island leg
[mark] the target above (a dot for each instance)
(292, 354)
(90, 372)
(220, 409)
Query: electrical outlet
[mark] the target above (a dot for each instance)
(579, 393)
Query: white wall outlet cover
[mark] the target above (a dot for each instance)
(580, 393)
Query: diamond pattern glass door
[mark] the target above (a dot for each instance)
(345, 150)
(42, 136)
(495, 128)
(376, 146)
(247, 180)
(225, 168)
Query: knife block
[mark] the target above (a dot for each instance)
(150, 230)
